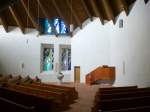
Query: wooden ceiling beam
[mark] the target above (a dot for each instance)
(42, 7)
(125, 6)
(45, 12)
(86, 9)
(108, 10)
(96, 11)
(4, 23)
(29, 13)
(59, 11)
(17, 18)
(74, 14)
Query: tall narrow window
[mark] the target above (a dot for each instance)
(65, 59)
(60, 26)
(48, 59)
(47, 27)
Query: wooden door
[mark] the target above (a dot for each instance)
(77, 74)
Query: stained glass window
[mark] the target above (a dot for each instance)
(60, 26)
(66, 59)
(53, 26)
(48, 59)
(47, 27)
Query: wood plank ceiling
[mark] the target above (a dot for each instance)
(24, 13)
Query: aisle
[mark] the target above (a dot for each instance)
(86, 98)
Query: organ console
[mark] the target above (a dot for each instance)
(104, 73)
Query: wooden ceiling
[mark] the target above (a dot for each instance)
(24, 13)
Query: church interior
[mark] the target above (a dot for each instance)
(74, 56)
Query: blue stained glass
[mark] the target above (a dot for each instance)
(48, 59)
(53, 26)
(64, 29)
(57, 25)
(60, 26)
(47, 27)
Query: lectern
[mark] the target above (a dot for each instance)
(104, 73)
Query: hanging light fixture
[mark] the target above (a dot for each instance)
(38, 14)
(71, 25)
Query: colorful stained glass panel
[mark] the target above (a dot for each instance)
(53, 26)
(66, 59)
(48, 59)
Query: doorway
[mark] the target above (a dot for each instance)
(77, 74)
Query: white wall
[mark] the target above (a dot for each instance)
(130, 45)
(93, 46)
(90, 47)
(17, 49)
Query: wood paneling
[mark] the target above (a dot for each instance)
(4, 22)
(101, 73)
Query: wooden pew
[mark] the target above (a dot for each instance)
(59, 97)
(137, 109)
(118, 93)
(113, 90)
(116, 89)
(29, 80)
(37, 80)
(26, 80)
(5, 78)
(57, 86)
(10, 106)
(41, 104)
(67, 94)
(128, 94)
(123, 103)
(15, 79)
(71, 89)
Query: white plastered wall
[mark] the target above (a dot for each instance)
(17, 49)
(130, 46)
